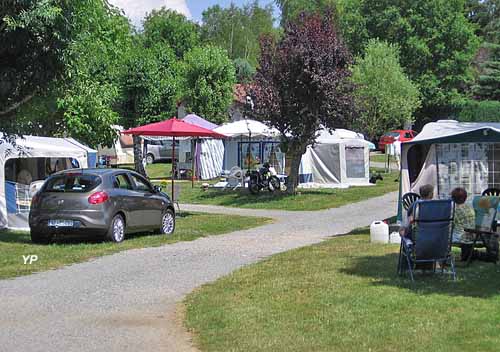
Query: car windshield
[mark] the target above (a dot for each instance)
(392, 134)
(77, 183)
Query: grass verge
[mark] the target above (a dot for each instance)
(380, 158)
(13, 245)
(344, 295)
(154, 171)
(307, 199)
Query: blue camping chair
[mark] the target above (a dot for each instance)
(431, 238)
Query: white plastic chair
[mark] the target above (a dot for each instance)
(235, 178)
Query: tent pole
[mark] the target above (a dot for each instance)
(173, 167)
(249, 152)
(193, 156)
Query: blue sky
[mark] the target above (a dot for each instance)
(193, 9)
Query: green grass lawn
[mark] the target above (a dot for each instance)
(13, 245)
(307, 199)
(155, 171)
(344, 295)
(380, 158)
(159, 170)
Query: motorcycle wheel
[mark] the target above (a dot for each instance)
(253, 187)
(274, 184)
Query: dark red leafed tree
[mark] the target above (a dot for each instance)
(303, 83)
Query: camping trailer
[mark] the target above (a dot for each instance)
(449, 154)
(121, 152)
(334, 162)
(24, 166)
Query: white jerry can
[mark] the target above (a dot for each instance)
(379, 232)
(394, 237)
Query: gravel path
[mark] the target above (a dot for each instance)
(127, 301)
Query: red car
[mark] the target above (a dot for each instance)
(390, 137)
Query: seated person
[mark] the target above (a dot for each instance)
(464, 218)
(426, 193)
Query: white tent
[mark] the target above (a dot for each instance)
(29, 162)
(348, 134)
(334, 162)
(449, 154)
(250, 143)
(209, 152)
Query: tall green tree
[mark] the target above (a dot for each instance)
(69, 83)
(291, 9)
(172, 29)
(151, 87)
(34, 37)
(89, 99)
(387, 97)
(485, 14)
(436, 40)
(237, 29)
(488, 80)
(437, 45)
(302, 83)
(244, 71)
(208, 80)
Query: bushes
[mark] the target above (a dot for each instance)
(478, 111)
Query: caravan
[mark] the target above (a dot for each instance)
(25, 164)
(120, 153)
(334, 162)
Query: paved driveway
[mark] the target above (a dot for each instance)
(126, 301)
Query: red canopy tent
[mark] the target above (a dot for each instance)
(173, 128)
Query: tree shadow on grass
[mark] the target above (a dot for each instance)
(479, 280)
(242, 197)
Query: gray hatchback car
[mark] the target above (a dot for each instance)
(103, 202)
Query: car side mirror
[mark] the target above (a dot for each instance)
(157, 189)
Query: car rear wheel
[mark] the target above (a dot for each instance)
(38, 238)
(116, 231)
(167, 222)
(150, 159)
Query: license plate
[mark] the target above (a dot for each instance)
(61, 223)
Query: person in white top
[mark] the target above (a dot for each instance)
(397, 152)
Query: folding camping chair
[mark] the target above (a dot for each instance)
(432, 233)
(407, 200)
(491, 192)
(484, 234)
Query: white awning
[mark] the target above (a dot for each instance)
(246, 127)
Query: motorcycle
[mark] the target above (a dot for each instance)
(265, 177)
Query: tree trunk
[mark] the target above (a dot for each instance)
(293, 178)
(139, 167)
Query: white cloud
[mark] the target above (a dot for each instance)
(137, 9)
